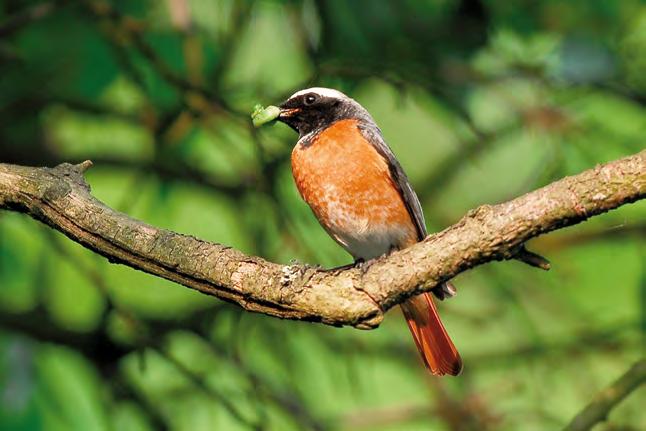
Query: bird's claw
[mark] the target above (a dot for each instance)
(444, 290)
(364, 265)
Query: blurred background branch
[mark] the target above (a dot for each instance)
(607, 399)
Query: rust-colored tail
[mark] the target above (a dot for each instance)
(438, 352)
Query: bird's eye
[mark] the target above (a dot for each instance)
(310, 99)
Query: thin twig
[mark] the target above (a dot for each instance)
(532, 259)
(606, 400)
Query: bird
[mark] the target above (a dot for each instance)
(358, 191)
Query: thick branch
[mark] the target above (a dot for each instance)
(603, 403)
(60, 198)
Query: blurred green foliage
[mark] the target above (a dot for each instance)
(481, 100)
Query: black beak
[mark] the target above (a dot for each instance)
(289, 116)
(287, 112)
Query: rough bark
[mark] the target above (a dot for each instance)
(61, 198)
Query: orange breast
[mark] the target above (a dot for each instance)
(347, 184)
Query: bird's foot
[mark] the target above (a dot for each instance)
(444, 290)
(364, 265)
(338, 269)
(361, 264)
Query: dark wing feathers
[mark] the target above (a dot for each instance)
(374, 136)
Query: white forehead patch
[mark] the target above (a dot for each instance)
(325, 92)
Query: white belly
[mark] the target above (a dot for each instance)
(372, 243)
(363, 239)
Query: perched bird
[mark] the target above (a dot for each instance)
(361, 196)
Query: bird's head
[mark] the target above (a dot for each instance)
(314, 109)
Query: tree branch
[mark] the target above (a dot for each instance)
(599, 408)
(61, 198)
